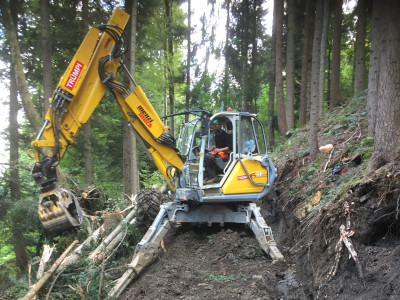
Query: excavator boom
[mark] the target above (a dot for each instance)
(83, 85)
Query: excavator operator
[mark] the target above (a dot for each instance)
(223, 144)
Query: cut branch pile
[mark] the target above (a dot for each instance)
(36, 288)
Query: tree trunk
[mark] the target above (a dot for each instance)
(304, 64)
(244, 57)
(21, 257)
(46, 52)
(290, 63)
(280, 105)
(323, 58)
(335, 97)
(188, 61)
(15, 186)
(16, 58)
(387, 133)
(226, 68)
(87, 132)
(374, 61)
(129, 145)
(315, 69)
(254, 90)
(359, 51)
(170, 53)
(271, 89)
(87, 129)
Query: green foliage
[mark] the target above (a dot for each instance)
(148, 178)
(309, 173)
(132, 237)
(15, 288)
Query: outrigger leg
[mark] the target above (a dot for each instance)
(146, 250)
(178, 212)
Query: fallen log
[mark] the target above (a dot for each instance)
(112, 235)
(76, 254)
(38, 285)
(111, 246)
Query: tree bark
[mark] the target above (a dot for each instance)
(335, 97)
(130, 168)
(271, 96)
(280, 105)
(15, 186)
(16, 58)
(374, 61)
(21, 256)
(387, 133)
(87, 129)
(244, 47)
(304, 64)
(359, 51)
(290, 63)
(188, 62)
(46, 53)
(226, 68)
(323, 58)
(170, 53)
(315, 69)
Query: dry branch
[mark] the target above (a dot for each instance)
(48, 273)
(345, 233)
(47, 251)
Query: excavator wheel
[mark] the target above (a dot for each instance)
(148, 204)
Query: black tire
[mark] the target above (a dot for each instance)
(148, 204)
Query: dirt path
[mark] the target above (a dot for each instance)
(210, 263)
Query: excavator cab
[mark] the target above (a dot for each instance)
(244, 175)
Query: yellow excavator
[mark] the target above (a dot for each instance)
(244, 176)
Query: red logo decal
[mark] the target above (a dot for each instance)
(144, 116)
(74, 75)
(243, 177)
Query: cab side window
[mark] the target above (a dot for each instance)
(247, 138)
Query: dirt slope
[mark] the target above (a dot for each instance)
(305, 211)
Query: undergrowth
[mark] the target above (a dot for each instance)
(81, 278)
(346, 129)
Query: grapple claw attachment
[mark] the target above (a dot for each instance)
(59, 210)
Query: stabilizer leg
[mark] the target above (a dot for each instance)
(263, 234)
(146, 250)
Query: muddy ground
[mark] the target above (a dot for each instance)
(227, 263)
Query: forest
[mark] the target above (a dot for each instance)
(318, 73)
